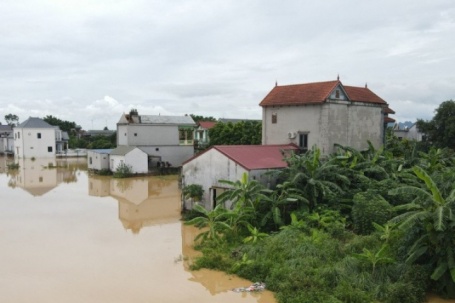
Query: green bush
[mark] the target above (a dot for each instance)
(123, 171)
(368, 208)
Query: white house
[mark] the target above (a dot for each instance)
(6, 139)
(229, 162)
(98, 159)
(132, 156)
(201, 133)
(322, 114)
(410, 133)
(163, 138)
(34, 138)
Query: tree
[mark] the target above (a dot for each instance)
(65, 126)
(440, 130)
(197, 118)
(430, 223)
(11, 119)
(240, 133)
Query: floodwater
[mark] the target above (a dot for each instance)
(66, 236)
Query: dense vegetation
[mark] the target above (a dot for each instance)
(248, 132)
(370, 226)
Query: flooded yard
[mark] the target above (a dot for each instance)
(66, 236)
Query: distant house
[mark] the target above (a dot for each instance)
(34, 138)
(229, 162)
(98, 159)
(163, 138)
(410, 133)
(61, 140)
(132, 156)
(234, 121)
(96, 132)
(201, 133)
(322, 114)
(6, 139)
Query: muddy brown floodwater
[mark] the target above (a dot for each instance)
(66, 236)
(69, 237)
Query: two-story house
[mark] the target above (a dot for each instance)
(323, 114)
(34, 138)
(166, 139)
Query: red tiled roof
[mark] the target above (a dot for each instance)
(388, 120)
(256, 156)
(316, 92)
(362, 94)
(206, 124)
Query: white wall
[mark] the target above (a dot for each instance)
(97, 161)
(175, 155)
(27, 144)
(137, 159)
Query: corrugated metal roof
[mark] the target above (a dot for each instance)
(122, 150)
(148, 119)
(33, 122)
(101, 151)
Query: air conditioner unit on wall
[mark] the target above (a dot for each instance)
(291, 135)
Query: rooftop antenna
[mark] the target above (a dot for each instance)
(276, 83)
(366, 85)
(338, 77)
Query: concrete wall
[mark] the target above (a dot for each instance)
(326, 124)
(137, 159)
(27, 144)
(137, 134)
(175, 155)
(97, 161)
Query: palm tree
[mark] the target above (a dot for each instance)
(430, 218)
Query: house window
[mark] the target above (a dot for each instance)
(303, 141)
(18, 135)
(90, 160)
(40, 179)
(135, 134)
(274, 118)
(49, 149)
(186, 135)
(337, 94)
(38, 135)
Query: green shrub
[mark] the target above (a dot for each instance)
(104, 172)
(369, 207)
(193, 191)
(123, 171)
(12, 166)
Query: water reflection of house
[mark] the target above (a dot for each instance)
(36, 177)
(142, 201)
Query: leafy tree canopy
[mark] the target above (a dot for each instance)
(64, 125)
(240, 133)
(440, 130)
(12, 119)
(198, 118)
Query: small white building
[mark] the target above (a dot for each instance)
(132, 156)
(34, 138)
(409, 133)
(98, 159)
(229, 162)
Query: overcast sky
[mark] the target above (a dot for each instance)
(89, 61)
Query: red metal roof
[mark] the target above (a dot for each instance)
(256, 156)
(317, 92)
(388, 110)
(388, 120)
(206, 124)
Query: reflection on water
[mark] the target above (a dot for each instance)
(142, 201)
(66, 242)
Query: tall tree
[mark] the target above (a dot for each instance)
(440, 130)
(12, 119)
(240, 133)
(198, 118)
(64, 125)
